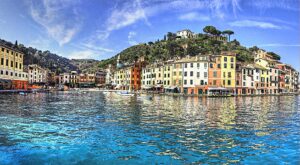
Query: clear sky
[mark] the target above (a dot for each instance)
(99, 29)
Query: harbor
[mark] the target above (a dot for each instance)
(105, 128)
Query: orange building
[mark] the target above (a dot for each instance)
(238, 78)
(281, 77)
(135, 78)
(214, 72)
(19, 84)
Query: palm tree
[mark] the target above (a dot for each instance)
(228, 32)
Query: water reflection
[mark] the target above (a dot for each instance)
(96, 128)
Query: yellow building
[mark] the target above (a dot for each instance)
(168, 75)
(228, 63)
(177, 75)
(264, 81)
(11, 68)
(120, 78)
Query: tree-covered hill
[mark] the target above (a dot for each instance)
(46, 59)
(172, 46)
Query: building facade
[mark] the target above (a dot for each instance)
(37, 74)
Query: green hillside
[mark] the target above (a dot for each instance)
(172, 46)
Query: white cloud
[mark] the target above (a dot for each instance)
(2, 21)
(281, 4)
(96, 47)
(194, 16)
(279, 45)
(85, 54)
(131, 35)
(257, 24)
(40, 43)
(128, 14)
(60, 18)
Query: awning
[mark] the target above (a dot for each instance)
(147, 87)
(172, 87)
(218, 88)
(5, 80)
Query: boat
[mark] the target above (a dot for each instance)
(22, 93)
(126, 93)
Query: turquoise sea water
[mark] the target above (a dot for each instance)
(97, 128)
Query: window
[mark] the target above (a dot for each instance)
(174, 73)
(224, 74)
(2, 61)
(11, 73)
(198, 65)
(244, 83)
(215, 74)
(201, 82)
(231, 59)
(229, 74)
(20, 66)
(214, 82)
(237, 82)
(219, 66)
(6, 73)
(205, 74)
(225, 59)
(223, 82)
(211, 65)
(231, 65)
(252, 84)
(185, 65)
(191, 82)
(185, 74)
(185, 82)
(198, 74)
(191, 73)
(11, 64)
(205, 65)
(225, 65)
(191, 65)
(2, 49)
(229, 82)
(6, 62)
(1, 71)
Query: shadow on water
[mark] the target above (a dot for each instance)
(96, 128)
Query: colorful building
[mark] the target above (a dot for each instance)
(37, 74)
(12, 75)
(228, 63)
(194, 74)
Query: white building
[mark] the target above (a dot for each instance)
(64, 78)
(109, 75)
(186, 33)
(195, 74)
(249, 76)
(37, 74)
